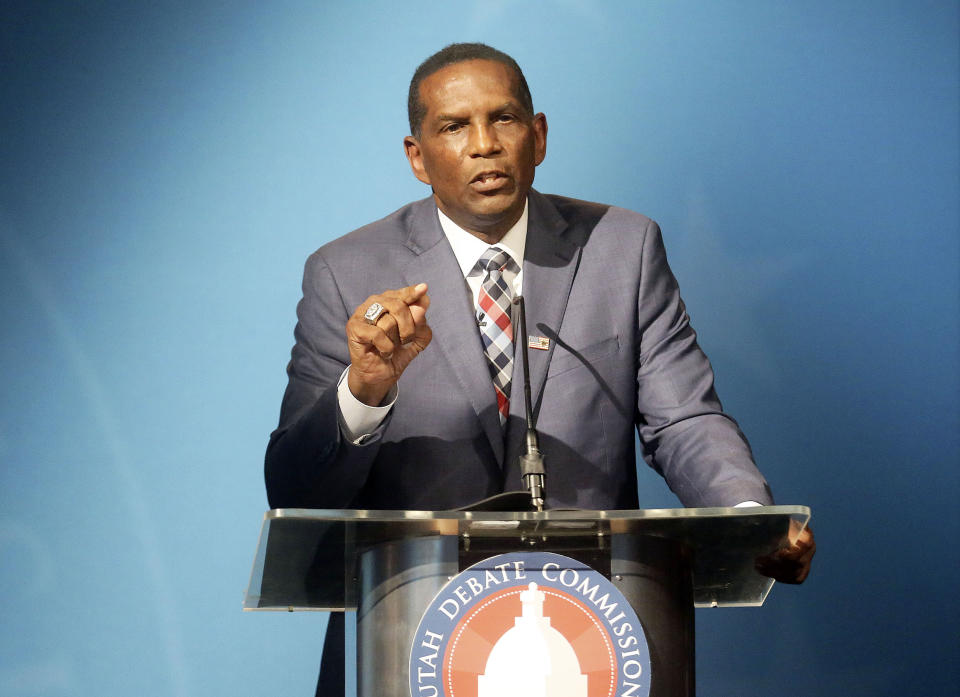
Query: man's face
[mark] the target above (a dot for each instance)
(478, 146)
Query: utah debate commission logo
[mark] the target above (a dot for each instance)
(530, 624)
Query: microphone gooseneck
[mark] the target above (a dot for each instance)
(532, 470)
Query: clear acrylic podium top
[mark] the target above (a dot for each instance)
(306, 558)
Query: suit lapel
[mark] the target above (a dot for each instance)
(549, 265)
(451, 317)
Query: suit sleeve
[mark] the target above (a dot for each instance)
(685, 434)
(308, 463)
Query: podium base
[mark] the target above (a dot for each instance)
(400, 579)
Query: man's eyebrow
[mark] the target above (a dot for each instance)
(506, 106)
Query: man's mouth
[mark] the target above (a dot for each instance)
(488, 181)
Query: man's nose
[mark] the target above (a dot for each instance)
(484, 141)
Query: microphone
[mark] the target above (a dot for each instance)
(532, 470)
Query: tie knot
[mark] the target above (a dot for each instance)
(494, 259)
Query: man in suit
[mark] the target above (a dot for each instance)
(399, 392)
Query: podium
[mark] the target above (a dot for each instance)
(401, 570)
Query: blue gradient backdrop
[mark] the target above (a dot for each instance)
(167, 167)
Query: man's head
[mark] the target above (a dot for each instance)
(476, 139)
(458, 53)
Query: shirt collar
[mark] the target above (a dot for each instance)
(468, 247)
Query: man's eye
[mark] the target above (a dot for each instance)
(452, 127)
(506, 118)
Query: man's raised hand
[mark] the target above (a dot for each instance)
(383, 344)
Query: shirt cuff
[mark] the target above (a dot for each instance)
(357, 420)
(747, 504)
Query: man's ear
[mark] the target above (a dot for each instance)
(415, 157)
(540, 137)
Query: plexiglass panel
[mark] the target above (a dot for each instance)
(306, 559)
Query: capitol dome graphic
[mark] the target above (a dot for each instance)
(532, 659)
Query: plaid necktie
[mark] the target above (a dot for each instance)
(495, 327)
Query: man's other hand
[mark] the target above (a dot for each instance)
(790, 564)
(380, 352)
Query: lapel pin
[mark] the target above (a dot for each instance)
(538, 342)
